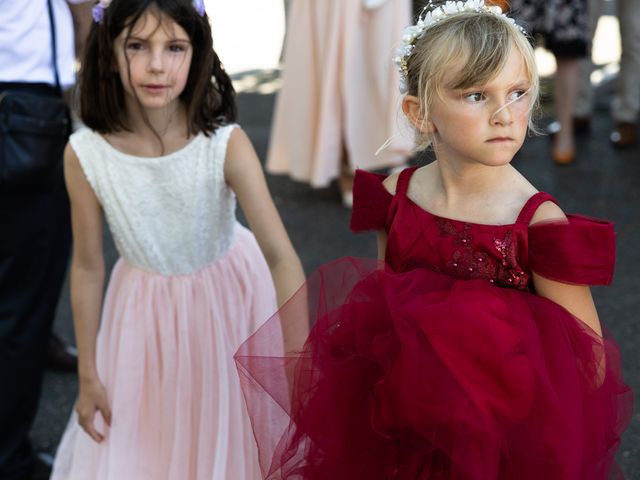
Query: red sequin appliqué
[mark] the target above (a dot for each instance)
(469, 261)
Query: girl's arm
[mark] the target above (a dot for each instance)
(576, 299)
(87, 281)
(243, 173)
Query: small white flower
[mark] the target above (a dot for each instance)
(428, 20)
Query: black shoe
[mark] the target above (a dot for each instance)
(60, 356)
(41, 467)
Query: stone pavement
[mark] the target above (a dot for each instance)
(603, 182)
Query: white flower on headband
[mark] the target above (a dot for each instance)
(413, 32)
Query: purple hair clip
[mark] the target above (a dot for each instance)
(199, 6)
(98, 10)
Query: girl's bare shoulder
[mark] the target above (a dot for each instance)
(421, 178)
(523, 190)
(391, 182)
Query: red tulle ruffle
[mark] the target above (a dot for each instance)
(421, 376)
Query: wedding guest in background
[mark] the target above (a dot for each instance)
(626, 101)
(34, 217)
(339, 101)
(564, 27)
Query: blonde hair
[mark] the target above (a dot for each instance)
(479, 42)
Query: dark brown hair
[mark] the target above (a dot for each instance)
(209, 96)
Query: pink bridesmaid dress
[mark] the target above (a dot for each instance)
(190, 286)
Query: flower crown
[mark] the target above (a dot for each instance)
(427, 19)
(98, 10)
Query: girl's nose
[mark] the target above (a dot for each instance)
(156, 61)
(503, 115)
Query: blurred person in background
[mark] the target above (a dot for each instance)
(34, 220)
(334, 77)
(626, 101)
(564, 27)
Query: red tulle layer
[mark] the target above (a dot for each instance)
(421, 376)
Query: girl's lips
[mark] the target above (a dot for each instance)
(500, 139)
(154, 88)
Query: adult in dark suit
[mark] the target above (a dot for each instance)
(34, 224)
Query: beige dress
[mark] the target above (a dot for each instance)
(340, 90)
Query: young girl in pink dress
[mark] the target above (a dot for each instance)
(474, 350)
(159, 396)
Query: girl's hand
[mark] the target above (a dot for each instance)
(92, 397)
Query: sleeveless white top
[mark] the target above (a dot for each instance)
(170, 215)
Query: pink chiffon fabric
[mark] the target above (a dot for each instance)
(165, 356)
(441, 363)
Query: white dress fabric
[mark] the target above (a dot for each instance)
(340, 92)
(190, 286)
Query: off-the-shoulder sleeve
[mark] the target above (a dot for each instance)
(371, 202)
(581, 251)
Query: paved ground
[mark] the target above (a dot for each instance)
(603, 182)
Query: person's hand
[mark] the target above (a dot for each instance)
(92, 398)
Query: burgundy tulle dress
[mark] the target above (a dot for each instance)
(441, 362)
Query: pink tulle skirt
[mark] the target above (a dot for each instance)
(419, 376)
(165, 355)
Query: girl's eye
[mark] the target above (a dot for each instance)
(177, 48)
(518, 94)
(134, 46)
(474, 97)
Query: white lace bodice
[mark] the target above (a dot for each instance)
(170, 215)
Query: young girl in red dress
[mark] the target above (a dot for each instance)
(472, 349)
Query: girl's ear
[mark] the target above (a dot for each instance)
(413, 110)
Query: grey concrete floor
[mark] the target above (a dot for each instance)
(603, 182)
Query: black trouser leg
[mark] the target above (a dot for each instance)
(34, 253)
